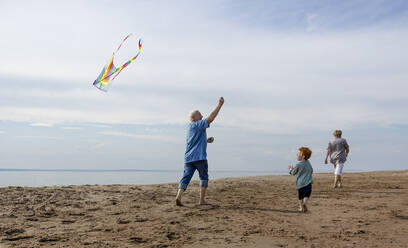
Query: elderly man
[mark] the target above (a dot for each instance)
(195, 157)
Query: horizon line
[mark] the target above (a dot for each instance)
(122, 170)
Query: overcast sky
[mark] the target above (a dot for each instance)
(290, 72)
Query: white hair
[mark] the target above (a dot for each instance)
(192, 114)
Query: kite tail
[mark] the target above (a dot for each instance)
(102, 82)
(122, 43)
(129, 61)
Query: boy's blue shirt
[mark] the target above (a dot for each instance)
(303, 172)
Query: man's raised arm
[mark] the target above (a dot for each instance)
(216, 110)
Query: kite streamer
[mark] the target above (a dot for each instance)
(110, 71)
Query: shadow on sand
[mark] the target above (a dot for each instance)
(262, 209)
(358, 191)
(215, 206)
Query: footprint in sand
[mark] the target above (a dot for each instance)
(137, 240)
(49, 239)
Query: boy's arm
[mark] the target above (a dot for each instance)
(290, 168)
(295, 170)
(214, 114)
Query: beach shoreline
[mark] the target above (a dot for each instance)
(257, 211)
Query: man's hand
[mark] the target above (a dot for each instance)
(216, 110)
(221, 101)
(290, 167)
(210, 140)
(325, 161)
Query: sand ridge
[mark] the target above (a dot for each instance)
(370, 211)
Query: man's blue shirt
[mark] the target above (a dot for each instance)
(196, 148)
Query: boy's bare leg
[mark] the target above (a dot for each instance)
(301, 206)
(304, 204)
(178, 197)
(202, 195)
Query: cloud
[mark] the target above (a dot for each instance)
(38, 137)
(99, 145)
(61, 116)
(297, 68)
(98, 125)
(71, 128)
(282, 76)
(143, 136)
(41, 124)
(270, 76)
(311, 22)
(2, 132)
(155, 130)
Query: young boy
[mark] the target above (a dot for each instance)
(303, 172)
(338, 151)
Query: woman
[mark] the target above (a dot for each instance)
(338, 150)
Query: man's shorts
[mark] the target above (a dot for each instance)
(189, 169)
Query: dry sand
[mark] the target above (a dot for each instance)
(370, 211)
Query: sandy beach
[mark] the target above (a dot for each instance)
(370, 211)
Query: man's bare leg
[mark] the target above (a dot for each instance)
(202, 196)
(178, 197)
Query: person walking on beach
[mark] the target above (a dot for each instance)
(195, 157)
(338, 151)
(303, 172)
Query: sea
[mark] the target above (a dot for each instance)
(36, 178)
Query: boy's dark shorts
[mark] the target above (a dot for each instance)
(305, 191)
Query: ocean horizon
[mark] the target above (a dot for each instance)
(66, 177)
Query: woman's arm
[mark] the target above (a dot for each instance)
(327, 155)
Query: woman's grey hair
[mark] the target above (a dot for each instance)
(192, 113)
(337, 133)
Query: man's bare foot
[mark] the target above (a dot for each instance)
(304, 209)
(204, 203)
(178, 203)
(334, 186)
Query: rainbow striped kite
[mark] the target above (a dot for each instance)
(110, 72)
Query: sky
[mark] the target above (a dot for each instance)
(291, 72)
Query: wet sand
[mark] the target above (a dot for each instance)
(370, 211)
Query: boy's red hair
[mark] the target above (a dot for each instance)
(306, 152)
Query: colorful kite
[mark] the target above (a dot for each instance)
(110, 71)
